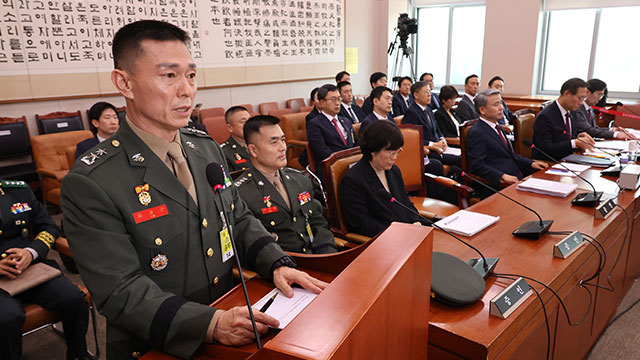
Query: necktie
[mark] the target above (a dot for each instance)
(427, 112)
(181, 168)
(504, 140)
(567, 122)
(335, 125)
(353, 115)
(277, 183)
(590, 115)
(408, 103)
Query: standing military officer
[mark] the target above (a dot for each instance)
(281, 197)
(146, 228)
(235, 149)
(20, 212)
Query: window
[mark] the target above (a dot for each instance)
(591, 43)
(446, 36)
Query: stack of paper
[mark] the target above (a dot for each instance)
(467, 223)
(285, 309)
(558, 169)
(619, 145)
(547, 187)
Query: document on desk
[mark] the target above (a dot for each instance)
(557, 169)
(547, 187)
(619, 145)
(285, 309)
(453, 151)
(467, 223)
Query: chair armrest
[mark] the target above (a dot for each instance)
(298, 143)
(62, 246)
(57, 175)
(453, 141)
(246, 273)
(351, 237)
(449, 184)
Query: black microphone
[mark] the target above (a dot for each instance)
(530, 229)
(483, 266)
(583, 199)
(216, 178)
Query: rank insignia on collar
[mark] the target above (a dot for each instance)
(191, 145)
(137, 157)
(260, 183)
(239, 159)
(304, 197)
(267, 201)
(159, 262)
(93, 156)
(143, 194)
(101, 152)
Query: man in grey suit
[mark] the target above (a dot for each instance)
(466, 108)
(585, 119)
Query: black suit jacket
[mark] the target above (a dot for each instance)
(356, 109)
(367, 106)
(582, 122)
(85, 145)
(507, 114)
(399, 106)
(466, 109)
(371, 118)
(490, 158)
(324, 140)
(415, 115)
(550, 134)
(446, 125)
(313, 113)
(363, 210)
(435, 102)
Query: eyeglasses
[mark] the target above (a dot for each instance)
(393, 152)
(333, 99)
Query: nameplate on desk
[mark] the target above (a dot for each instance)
(568, 245)
(510, 298)
(605, 208)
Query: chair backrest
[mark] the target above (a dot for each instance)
(295, 104)
(524, 131)
(356, 128)
(249, 108)
(211, 112)
(70, 151)
(334, 169)
(411, 159)
(279, 112)
(464, 131)
(217, 128)
(264, 108)
(59, 121)
(122, 114)
(360, 99)
(306, 109)
(294, 127)
(14, 137)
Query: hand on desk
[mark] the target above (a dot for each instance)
(538, 165)
(234, 326)
(507, 179)
(586, 142)
(284, 276)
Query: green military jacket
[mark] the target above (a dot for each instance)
(149, 255)
(238, 157)
(292, 226)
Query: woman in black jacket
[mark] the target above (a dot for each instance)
(446, 116)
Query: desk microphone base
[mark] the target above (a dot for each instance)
(589, 199)
(533, 229)
(478, 265)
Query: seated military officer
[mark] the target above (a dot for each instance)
(235, 149)
(281, 197)
(21, 217)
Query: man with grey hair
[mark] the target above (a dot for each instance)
(490, 154)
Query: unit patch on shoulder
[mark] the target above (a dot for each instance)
(12, 184)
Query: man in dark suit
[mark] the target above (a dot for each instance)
(466, 109)
(402, 99)
(497, 83)
(382, 102)
(552, 129)
(435, 102)
(328, 132)
(104, 122)
(314, 102)
(420, 114)
(348, 108)
(490, 154)
(376, 79)
(585, 119)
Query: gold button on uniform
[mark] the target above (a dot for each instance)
(158, 241)
(294, 219)
(205, 223)
(304, 249)
(135, 354)
(209, 252)
(232, 206)
(273, 223)
(115, 143)
(23, 222)
(310, 211)
(215, 280)
(0, 232)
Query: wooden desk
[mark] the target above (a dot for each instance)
(375, 307)
(470, 332)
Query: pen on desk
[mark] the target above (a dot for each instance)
(268, 303)
(560, 170)
(453, 219)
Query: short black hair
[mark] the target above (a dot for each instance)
(466, 80)
(126, 42)
(594, 85)
(231, 111)
(342, 84)
(313, 93)
(375, 77)
(96, 111)
(448, 92)
(572, 85)
(380, 135)
(495, 78)
(418, 86)
(325, 89)
(255, 123)
(425, 74)
(340, 75)
(376, 93)
(403, 79)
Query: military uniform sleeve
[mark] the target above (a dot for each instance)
(46, 231)
(106, 257)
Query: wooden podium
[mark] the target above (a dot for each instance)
(375, 307)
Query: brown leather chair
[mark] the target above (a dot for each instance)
(211, 112)
(294, 127)
(50, 157)
(279, 112)
(356, 128)
(267, 106)
(59, 121)
(217, 128)
(360, 99)
(523, 128)
(249, 108)
(306, 109)
(295, 104)
(464, 132)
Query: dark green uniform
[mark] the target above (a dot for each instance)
(238, 157)
(301, 229)
(149, 255)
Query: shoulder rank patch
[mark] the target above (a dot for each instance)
(12, 184)
(240, 181)
(91, 158)
(194, 131)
